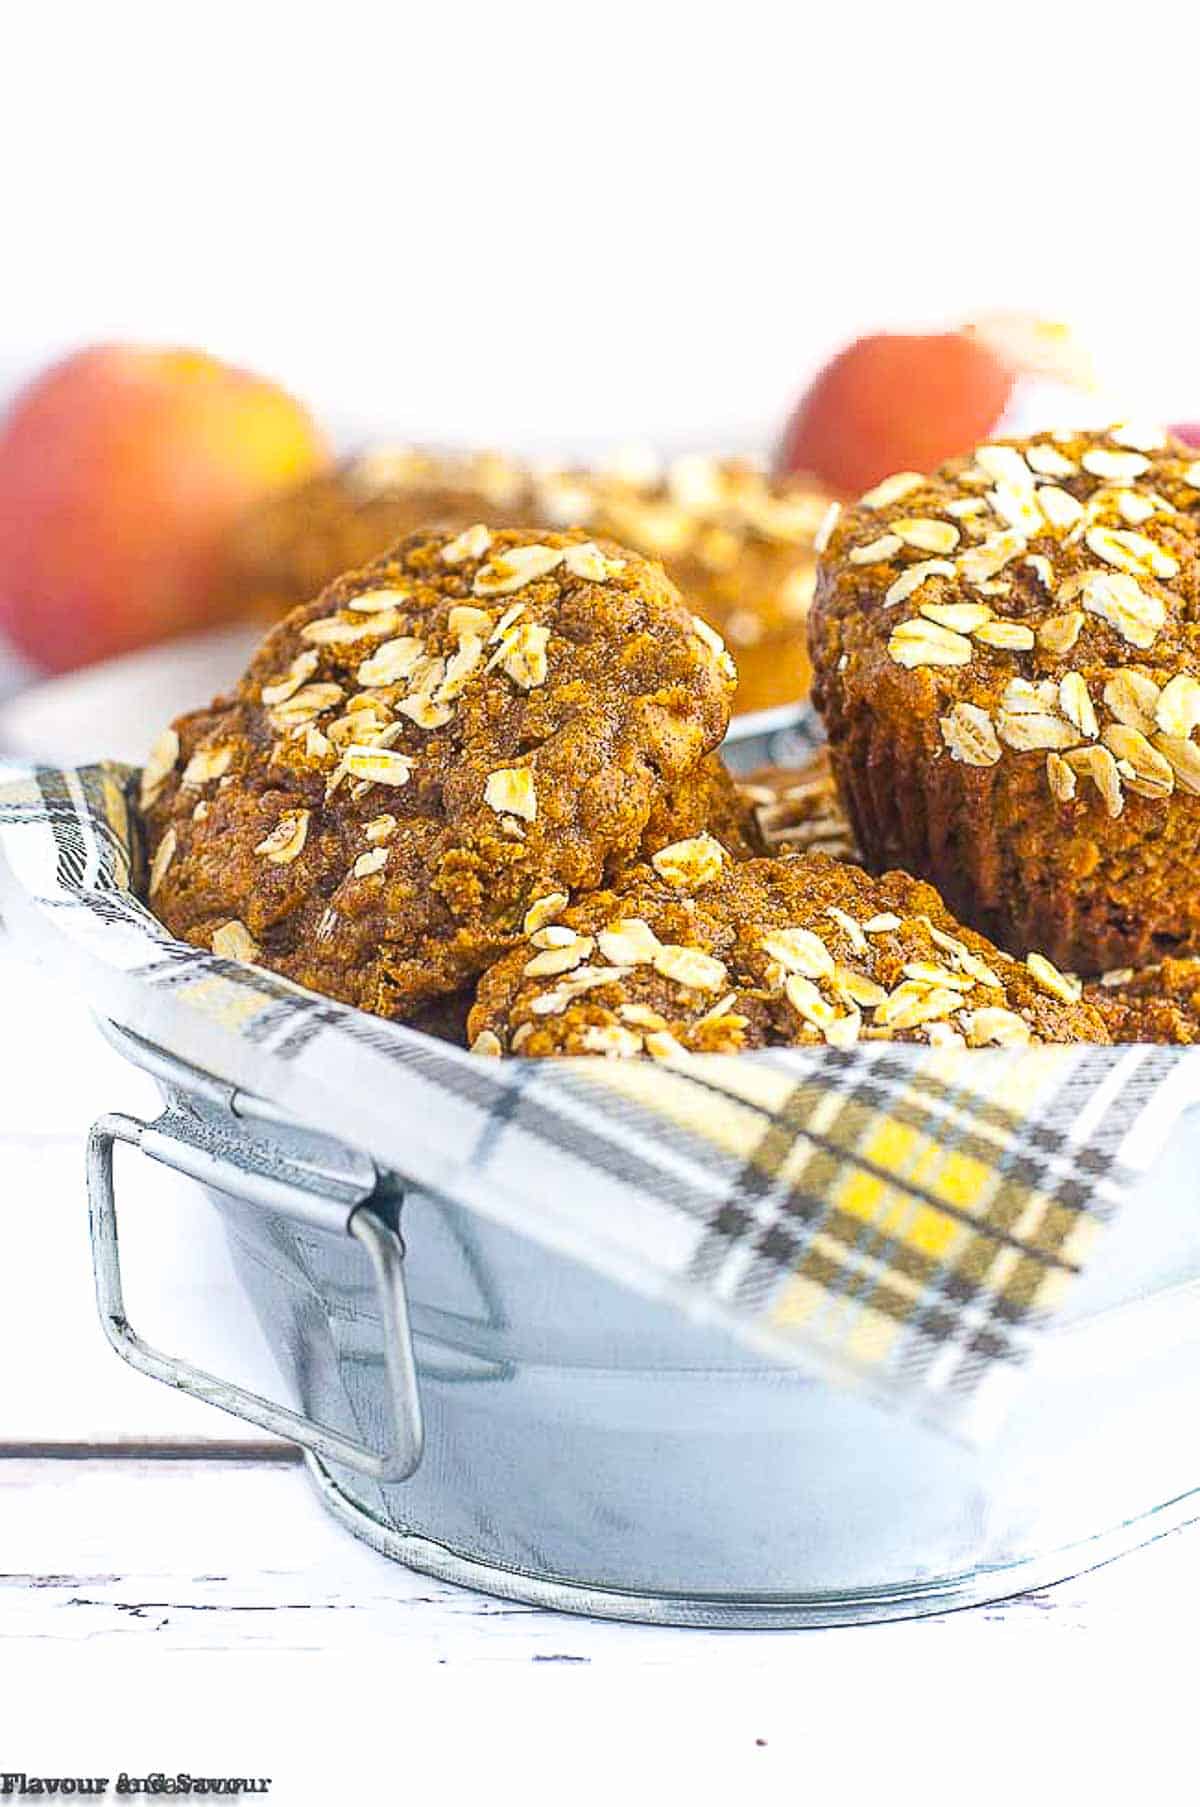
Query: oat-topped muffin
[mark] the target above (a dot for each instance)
(706, 803)
(740, 545)
(1159, 1004)
(441, 748)
(737, 542)
(1007, 656)
(298, 540)
(697, 954)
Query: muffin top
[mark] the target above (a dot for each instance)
(422, 756)
(1160, 1003)
(698, 954)
(740, 543)
(1038, 599)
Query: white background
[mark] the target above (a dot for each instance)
(566, 225)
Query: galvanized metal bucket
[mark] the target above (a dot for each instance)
(489, 1412)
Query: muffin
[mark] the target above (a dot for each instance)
(423, 765)
(697, 954)
(1159, 1004)
(708, 801)
(740, 545)
(1006, 655)
(299, 540)
(797, 809)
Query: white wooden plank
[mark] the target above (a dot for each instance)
(831, 1726)
(213, 1554)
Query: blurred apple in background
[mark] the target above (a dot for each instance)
(121, 469)
(907, 401)
(893, 402)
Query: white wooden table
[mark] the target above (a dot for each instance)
(136, 1523)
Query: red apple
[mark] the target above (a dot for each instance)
(121, 469)
(893, 402)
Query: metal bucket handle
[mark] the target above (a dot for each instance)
(185, 1141)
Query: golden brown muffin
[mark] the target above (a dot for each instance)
(797, 809)
(707, 800)
(698, 954)
(1159, 1004)
(1006, 655)
(738, 544)
(298, 540)
(427, 754)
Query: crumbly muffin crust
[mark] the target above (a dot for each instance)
(1159, 1004)
(739, 544)
(698, 954)
(1007, 657)
(708, 800)
(473, 726)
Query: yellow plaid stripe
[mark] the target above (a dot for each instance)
(902, 1204)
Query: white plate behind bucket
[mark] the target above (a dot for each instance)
(115, 709)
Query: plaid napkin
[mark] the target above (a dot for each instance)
(891, 1216)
